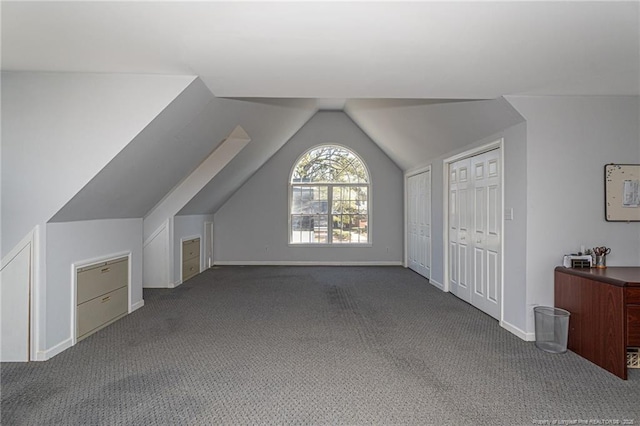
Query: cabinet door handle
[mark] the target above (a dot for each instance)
(103, 270)
(106, 299)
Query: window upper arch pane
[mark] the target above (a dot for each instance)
(329, 164)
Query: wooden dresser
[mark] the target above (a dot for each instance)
(605, 313)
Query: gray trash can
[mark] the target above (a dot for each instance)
(552, 329)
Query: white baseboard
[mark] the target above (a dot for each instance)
(176, 284)
(436, 284)
(304, 263)
(136, 306)
(50, 353)
(169, 285)
(528, 337)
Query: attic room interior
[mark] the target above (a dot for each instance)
(220, 212)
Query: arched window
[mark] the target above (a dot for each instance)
(329, 198)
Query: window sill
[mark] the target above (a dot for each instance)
(352, 245)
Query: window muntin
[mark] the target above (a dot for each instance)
(329, 198)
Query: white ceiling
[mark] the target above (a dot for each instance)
(339, 50)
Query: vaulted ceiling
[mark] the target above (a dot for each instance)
(416, 76)
(424, 49)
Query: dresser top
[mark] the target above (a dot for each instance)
(617, 275)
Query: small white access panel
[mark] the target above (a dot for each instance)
(15, 280)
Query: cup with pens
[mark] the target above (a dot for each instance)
(601, 256)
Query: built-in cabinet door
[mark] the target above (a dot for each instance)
(475, 229)
(419, 223)
(190, 258)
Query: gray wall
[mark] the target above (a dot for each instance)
(73, 242)
(60, 129)
(252, 227)
(515, 178)
(187, 227)
(569, 140)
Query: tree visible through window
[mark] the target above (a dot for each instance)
(329, 198)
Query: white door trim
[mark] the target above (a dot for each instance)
(498, 144)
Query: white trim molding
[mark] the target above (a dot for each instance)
(136, 306)
(305, 263)
(528, 337)
(437, 284)
(50, 353)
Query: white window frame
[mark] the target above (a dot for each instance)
(329, 215)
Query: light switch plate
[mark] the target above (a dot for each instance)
(508, 214)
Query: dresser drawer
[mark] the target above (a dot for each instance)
(190, 268)
(101, 311)
(96, 280)
(633, 295)
(633, 325)
(191, 249)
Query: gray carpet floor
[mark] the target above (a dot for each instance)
(311, 345)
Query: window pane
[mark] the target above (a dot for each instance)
(320, 229)
(329, 163)
(350, 228)
(296, 200)
(309, 229)
(337, 200)
(361, 200)
(360, 231)
(309, 199)
(325, 174)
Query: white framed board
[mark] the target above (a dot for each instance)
(622, 192)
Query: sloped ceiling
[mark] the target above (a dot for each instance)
(175, 143)
(412, 132)
(60, 129)
(270, 124)
(421, 78)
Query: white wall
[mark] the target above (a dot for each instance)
(187, 227)
(78, 242)
(59, 130)
(157, 263)
(252, 226)
(569, 140)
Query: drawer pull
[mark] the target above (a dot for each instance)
(106, 299)
(103, 270)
